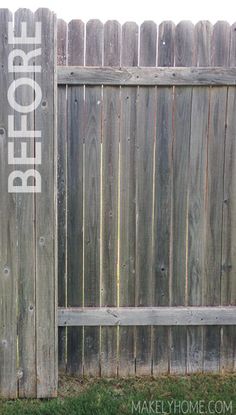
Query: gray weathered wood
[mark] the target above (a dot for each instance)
(76, 35)
(166, 43)
(215, 194)
(189, 75)
(26, 240)
(110, 197)
(147, 316)
(162, 199)
(203, 38)
(45, 211)
(127, 223)
(129, 52)
(228, 276)
(220, 47)
(75, 198)
(62, 189)
(148, 44)
(112, 43)
(184, 56)
(197, 197)
(8, 236)
(146, 119)
(196, 218)
(92, 195)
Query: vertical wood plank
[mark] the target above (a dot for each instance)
(146, 120)
(215, 194)
(92, 194)
(203, 39)
(184, 56)
(228, 277)
(110, 197)
(197, 196)
(46, 292)
(75, 204)
(8, 237)
(196, 219)
(62, 189)
(129, 57)
(26, 238)
(220, 44)
(162, 201)
(166, 44)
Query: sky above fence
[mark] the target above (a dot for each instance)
(139, 11)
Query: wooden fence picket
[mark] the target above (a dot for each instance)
(75, 198)
(127, 224)
(162, 266)
(45, 215)
(92, 196)
(62, 190)
(144, 151)
(110, 197)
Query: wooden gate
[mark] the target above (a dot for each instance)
(147, 185)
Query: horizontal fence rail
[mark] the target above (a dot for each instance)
(73, 75)
(153, 316)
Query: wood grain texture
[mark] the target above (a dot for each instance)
(220, 52)
(184, 56)
(163, 199)
(76, 36)
(8, 238)
(146, 120)
(46, 293)
(197, 196)
(62, 189)
(128, 76)
(92, 195)
(26, 238)
(196, 219)
(143, 316)
(75, 198)
(215, 194)
(110, 197)
(129, 52)
(203, 39)
(228, 270)
(166, 44)
(127, 200)
(148, 44)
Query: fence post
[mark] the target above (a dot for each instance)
(28, 205)
(8, 236)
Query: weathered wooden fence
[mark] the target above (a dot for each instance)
(147, 197)
(146, 223)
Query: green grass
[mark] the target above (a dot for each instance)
(115, 397)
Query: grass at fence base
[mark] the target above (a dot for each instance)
(115, 396)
